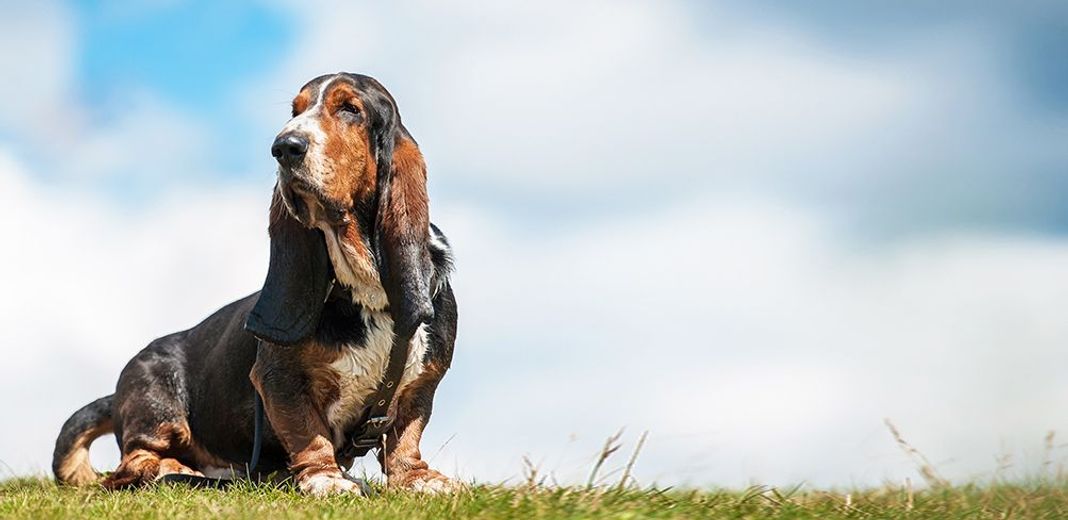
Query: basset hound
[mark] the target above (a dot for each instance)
(357, 272)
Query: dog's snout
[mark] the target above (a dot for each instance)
(289, 149)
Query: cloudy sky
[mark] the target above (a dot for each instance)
(754, 231)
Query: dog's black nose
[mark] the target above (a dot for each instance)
(289, 149)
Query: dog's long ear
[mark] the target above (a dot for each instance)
(298, 281)
(402, 230)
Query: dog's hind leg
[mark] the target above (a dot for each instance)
(146, 457)
(150, 418)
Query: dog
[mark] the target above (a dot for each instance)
(357, 274)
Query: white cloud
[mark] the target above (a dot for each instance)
(754, 343)
(145, 141)
(87, 285)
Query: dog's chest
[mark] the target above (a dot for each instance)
(360, 368)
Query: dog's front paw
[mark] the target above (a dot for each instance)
(431, 482)
(322, 485)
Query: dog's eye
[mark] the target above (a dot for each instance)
(349, 109)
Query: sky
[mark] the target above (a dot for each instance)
(755, 231)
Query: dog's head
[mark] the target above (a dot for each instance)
(350, 203)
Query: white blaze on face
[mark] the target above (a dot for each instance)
(308, 124)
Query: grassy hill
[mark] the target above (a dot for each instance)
(38, 498)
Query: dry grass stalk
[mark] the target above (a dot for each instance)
(1047, 459)
(754, 491)
(531, 473)
(633, 459)
(441, 448)
(611, 445)
(1004, 462)
(926, 469)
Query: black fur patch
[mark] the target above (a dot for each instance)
(341, 324)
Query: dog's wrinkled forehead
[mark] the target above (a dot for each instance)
(327, 92)
(313, 92)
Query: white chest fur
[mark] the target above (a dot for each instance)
(361, 367)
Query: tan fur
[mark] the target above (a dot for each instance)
(146, 459)
(402, 461)
(300, 103)
(76, 468)
(353, 264)
(323, 384)
(171, 466)
(347, 148)
(298, 419)
(409, 189)
(406, 217)
(316, 457)
(137, 468)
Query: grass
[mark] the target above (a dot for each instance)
(1041, 497)
(39, 498)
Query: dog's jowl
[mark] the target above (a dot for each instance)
(341, 350)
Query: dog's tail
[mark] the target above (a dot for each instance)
(70, 460)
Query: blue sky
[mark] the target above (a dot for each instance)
(193, 53)
(857, 211)
(196, 55)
